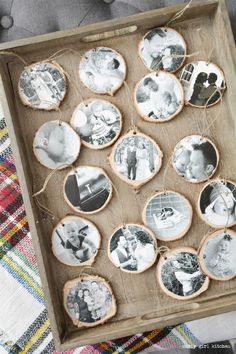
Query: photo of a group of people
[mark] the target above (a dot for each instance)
(218, 255)
(89, 301)
(159, 97)
(56, 144)
(42, 86)
(87, 189)
(217, 203)
(195, 158)
(181, 275)
(75, 241)
(203, 83)
(162, 48)
(169, 215)
(98, 123)
(137, 158)
(132, 248)
(102, 70)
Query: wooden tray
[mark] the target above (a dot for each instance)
(141, 304)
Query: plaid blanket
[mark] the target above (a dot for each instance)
(24, 323)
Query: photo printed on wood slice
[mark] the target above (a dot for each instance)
(98, 123)
(42, 86)
(179, 274)
(203, 83)
(168, 214)
(132, 248)
(162, 48)
(136, 158)
(195, 158)
(217, 203)
(159, 97)
(102, 70)
(56, 145)
(75, 241)
(87, 189)
(217, 255)
(89, 301)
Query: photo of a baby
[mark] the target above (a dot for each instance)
(89, 301)
(56, 145)
(180, 276)
(75, 241)
(159, 97)
(102, 70)
(203, 82)
(217, 203)
(42, 86)
(162, 48)
(168, 214)
(195, 158)
(98, 123)
(218, 255)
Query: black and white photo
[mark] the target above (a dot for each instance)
(98, 123)
(75, 241)
(42, 86)
(159, 97)
(162, 48)
(217, 255)
(56, 145)
(179, 274)
(132, 248)
(89, 301)
(102, 70)
(203, 83)
(87, 189)
(136, 158)
(195, 158)
(217, 203)
(168, 214)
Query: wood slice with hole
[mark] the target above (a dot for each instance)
(89, 300)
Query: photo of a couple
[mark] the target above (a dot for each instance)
(133, 248)
(160, 47)
(89, 301)
(203, 83)
(102, 70)
(195, 158)
(42, 86)
(159, 98)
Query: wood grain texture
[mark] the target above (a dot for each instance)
(142, 305)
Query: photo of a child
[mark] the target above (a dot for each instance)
(195, 158)
(102, 70)
(75, 241)
(56, 144)
(217, 203)
(159, 97)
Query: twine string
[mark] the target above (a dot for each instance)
(179, 14)
(162, 250)
(174, 56)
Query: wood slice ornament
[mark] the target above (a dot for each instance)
(179, 274)
(42, 86)
(136, 158)
(195, 158)
(132, 248)
(87, 189)
(75, 241)
(217, 255)
(168, 214)
(98, 123)
(102, 70)
(56, 145)
(163, 48)
(203, 83)
(89, 301)
(159, 97)
(217, 203)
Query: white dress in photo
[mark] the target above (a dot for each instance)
(143, 169)
(144, 254)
